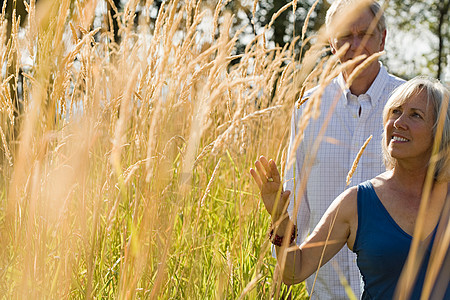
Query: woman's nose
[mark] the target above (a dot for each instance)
(400, 122)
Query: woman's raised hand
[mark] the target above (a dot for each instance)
(268, 180)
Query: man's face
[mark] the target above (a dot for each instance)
(360, 38)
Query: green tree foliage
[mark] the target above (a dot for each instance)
(424, 21)
(285, 27)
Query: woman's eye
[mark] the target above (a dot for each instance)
(416, 115)
(396, 111)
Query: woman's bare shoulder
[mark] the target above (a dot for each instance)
(347, 202)
(381, 180)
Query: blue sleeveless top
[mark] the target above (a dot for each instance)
(382, 248)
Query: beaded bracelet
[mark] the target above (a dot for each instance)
(278, 240)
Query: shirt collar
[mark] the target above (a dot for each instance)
(374, 91)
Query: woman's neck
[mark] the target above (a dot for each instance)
(409, 180)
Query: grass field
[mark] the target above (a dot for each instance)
(124, 170)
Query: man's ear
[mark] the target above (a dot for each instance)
(333, 48)
(383, 40)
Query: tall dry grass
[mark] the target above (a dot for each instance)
(124, 170)
(124, 175)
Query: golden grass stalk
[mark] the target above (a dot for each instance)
(216, 18)
(5, 99)
(363, 66)
(255, 3)
(119, 135)
(5, 146)
(308, 16)
(208, 187)
(437, 257)
(356, 161)
(279, 12)
(344, 282)
(251, 285)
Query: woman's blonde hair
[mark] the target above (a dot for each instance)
(438, 97)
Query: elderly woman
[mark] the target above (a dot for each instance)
(377, 218)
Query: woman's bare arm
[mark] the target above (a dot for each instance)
(299, 262)
(336, 228)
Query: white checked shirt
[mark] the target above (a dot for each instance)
(345, 134)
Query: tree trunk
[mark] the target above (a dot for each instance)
(443, 11)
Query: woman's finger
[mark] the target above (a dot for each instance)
(274, 171)
(285, 195)
(256, 178)
(261, 171)
(265, 163)
(267, 168)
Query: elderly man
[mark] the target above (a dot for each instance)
(356, 115)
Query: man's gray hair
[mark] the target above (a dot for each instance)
(341, 5)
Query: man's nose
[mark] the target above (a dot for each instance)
(355, 42)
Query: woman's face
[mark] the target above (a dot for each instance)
(409, 130)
